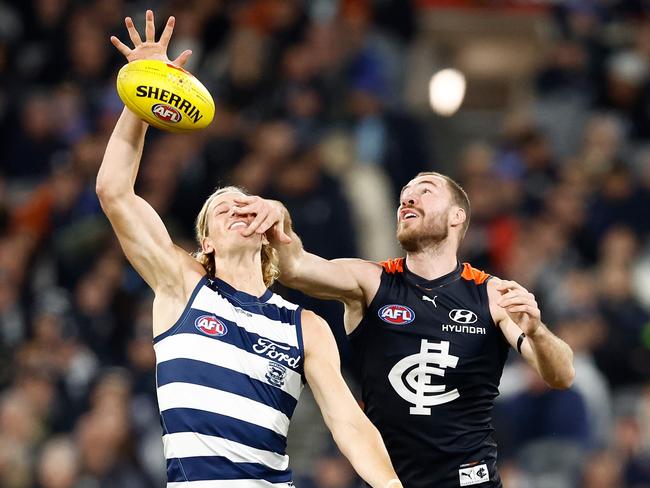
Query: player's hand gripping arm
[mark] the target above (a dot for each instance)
(515, 310)
(139, 229)
(348, 280)
(353, 433)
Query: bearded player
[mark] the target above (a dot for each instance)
(231, 356)
(431, 334)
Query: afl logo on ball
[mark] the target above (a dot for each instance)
(396, 314)
(166, 113)
(211, 325)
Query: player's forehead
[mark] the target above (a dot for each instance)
(225, 198)
(433, 180)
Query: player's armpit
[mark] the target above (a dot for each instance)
(354, 434)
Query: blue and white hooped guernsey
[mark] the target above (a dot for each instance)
(229, 374)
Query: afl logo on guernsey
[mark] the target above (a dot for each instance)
(396, 314)
(210, 325)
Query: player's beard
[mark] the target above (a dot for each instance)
(428, 233)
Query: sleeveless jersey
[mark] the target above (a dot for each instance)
(431, 359)
(229, 374)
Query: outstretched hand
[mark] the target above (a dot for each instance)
(269, 218)
(149, 49)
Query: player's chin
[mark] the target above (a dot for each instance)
(408, 239)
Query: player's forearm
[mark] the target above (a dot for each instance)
(554, 358)
(360, 442)
(119, 167)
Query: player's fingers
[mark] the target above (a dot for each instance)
(150, 28)
(121, 47)
(244, 199)
(520, 309)
(167, 32)
(133, 32)
(182, 58)
(510, 294)
(266, 224)
(256, 222)
(518, 301)
(510, 285)
(245, 209)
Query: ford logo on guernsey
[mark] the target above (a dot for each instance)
(210, 325)
(396, 314)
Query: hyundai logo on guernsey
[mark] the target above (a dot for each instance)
(463, 316)
(210, 325)
(396, 314)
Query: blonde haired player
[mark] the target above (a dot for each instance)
(232, 357)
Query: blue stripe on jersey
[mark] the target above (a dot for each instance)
(220, 468)
(205, 374)
(208, 423)
(252, 304)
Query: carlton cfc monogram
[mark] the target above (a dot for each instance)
(411, 377)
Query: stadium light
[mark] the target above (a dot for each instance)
(447, 91)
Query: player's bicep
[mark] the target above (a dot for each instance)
(337, 279)
(143, 237)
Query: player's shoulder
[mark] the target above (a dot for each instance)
(392, 266)
(315, 330)
(474, 275)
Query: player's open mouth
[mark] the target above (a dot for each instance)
(408, 215)
(238, 224)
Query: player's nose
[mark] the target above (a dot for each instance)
(408, 198)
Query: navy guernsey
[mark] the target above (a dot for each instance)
(431, 359)
(229, 374)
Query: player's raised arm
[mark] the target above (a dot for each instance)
(515, 311)
(352, 281)
(140, 230)
(354, 434)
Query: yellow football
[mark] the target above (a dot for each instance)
(165, 96)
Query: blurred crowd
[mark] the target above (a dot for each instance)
(311, 111)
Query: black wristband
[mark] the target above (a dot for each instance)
(520, 341)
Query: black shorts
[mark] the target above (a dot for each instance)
(473, 470)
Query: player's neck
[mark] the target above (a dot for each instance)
(433, 262)
(242, 271)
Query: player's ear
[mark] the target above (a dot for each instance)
(458, 216)
(207, 246)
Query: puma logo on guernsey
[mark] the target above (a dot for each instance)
(274, 351)
(168, 97)
(465, 329)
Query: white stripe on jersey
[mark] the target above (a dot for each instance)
(212, 302)
(190, 444)
(278, 301)
(213, 351)
(228, 484)
(187, 395)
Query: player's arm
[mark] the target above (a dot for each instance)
(353, 433)
(347, 280)
(514, 309)
(141, 232)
